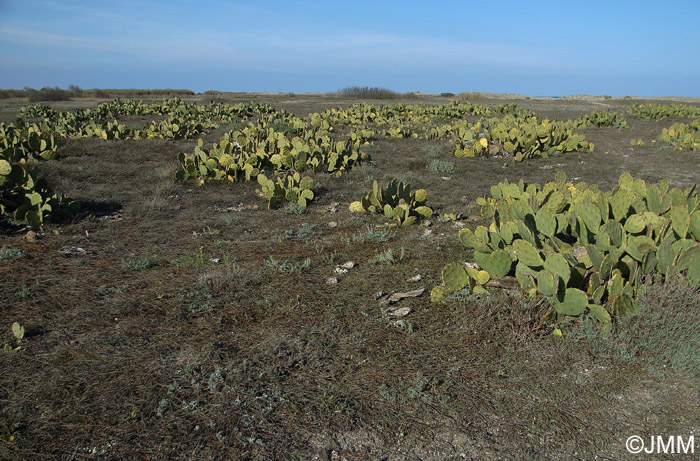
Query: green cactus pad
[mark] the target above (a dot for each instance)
(424, 211)
(439, 294)
(623, 305)
(388, 211)
(497, 264)
(525, 232)
(590, 215)
(557, 265)
(653, 199)
(527, 253)
(482, 277)
(455, 277)
(306, 183)
(635, 224)
(547, 283)
(595, 256)
(410, 220)
(686, 258)
(525, 276)
(616, 232)
(620, 203)
(420, 196)
(546, 222)
(468, 239)
(5, 168)
(680, 220)
(599, 313)
(638, 246)
(573, 302)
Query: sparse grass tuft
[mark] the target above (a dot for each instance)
(441, 167)
(380, 235)
(286, 266)
(663, 334)
(10, 254)
(432, 150)
(137, 264)
(294, 208)
(388, 257)
(305, 230)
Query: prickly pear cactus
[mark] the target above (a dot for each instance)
(396, 201)
(586, 251)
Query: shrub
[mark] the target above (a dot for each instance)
(137, 264)
(10, 254)
(441, 166)
(7, 94)
(47, 94)
(369, 92)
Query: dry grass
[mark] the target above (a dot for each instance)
(206, 353)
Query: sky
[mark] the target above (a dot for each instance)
(536, 47)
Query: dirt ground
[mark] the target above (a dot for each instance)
(195, 328)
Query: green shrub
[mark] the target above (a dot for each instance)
(137, 264)
(366, 92)
(441, 167)
(10, 254)
(379, 235)
(47, 94)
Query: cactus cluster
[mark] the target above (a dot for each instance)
(457, 276)
(24, 198)
(514, 110)
(584, 250)
(174, 128)
(29, 141)
(660, 111)
(289, 187)
(518, 139)
(396, 201)
(601, 118)
(683, 136)
(259, 147)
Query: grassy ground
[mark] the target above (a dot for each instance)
(191, 331)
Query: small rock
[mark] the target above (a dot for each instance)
(340, 271)
(458, 224)
(402, 312)
(395, 297)
(416, 278)
(446, 178)
(109, 217)
(427, 223)
(427, 232)
(331, 280)
(215, 260)
(332, 224)
(72, 251)
(31, 237)
(348, 265)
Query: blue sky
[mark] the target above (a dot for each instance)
(644, 48)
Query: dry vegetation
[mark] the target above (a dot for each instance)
(194, 328)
